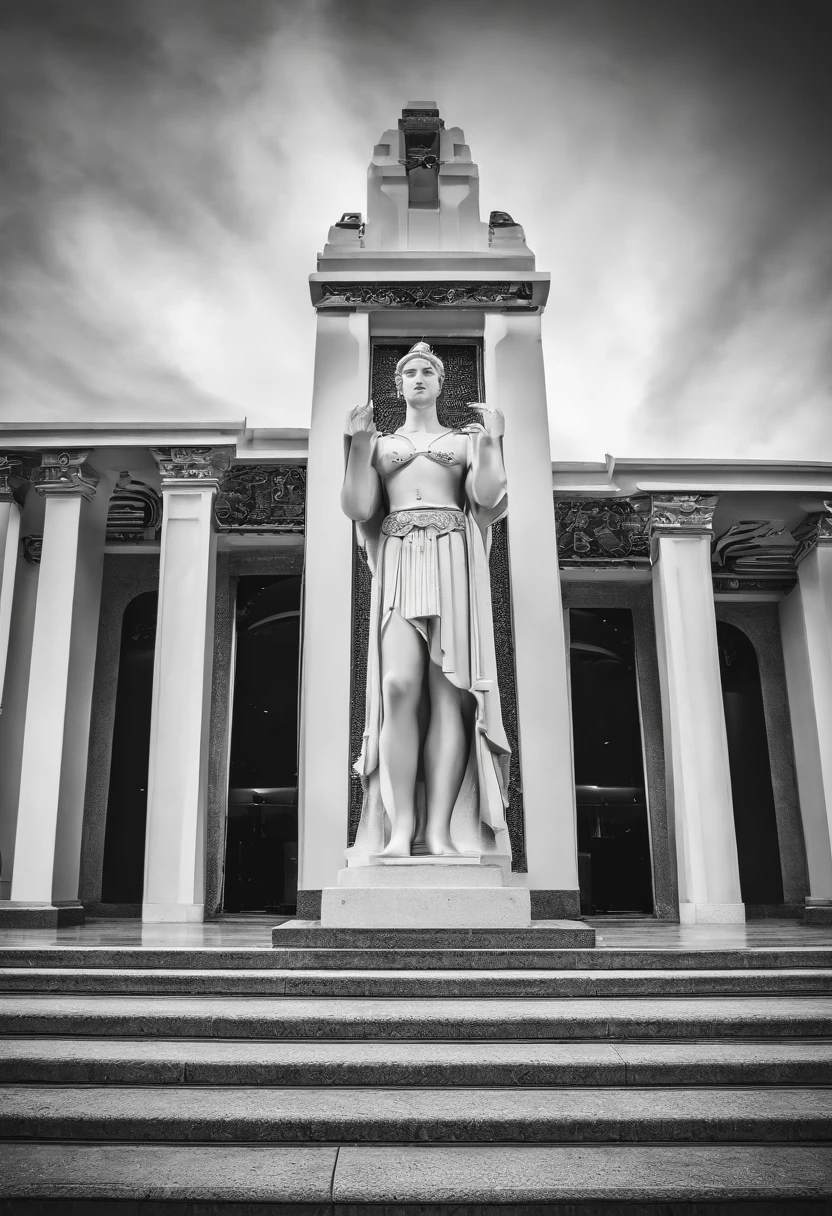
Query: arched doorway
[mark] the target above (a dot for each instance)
(755, 818)
(122, 879)
(613, 832)
(262, 827)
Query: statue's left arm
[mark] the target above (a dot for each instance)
(487, 477)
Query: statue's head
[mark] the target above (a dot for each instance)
(420, 375)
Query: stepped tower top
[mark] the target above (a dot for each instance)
(423, 198)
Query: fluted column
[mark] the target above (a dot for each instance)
(696, 746)
(56, 731)
(806, 629)
(177, 781)
(9, 546)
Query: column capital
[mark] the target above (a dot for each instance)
(816, 529)
(65, 472)
(680, 515)
(10, 466)
(184, 466)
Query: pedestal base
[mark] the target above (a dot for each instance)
(817, 911)
(17, 914)
(424, 895)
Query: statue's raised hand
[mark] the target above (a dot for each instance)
(360, 420)
(493, 422)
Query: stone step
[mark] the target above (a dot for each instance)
(434, 958)
(764, 1180)
(540, 935)
(463, 1018)
(203, 1062)
(795, 981)
(379, 1115)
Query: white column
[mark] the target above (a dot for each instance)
(342, 380)
(806, 630)
(696, 745)
(9, 544)
(56, 731)
(514, 381)
(174, 878)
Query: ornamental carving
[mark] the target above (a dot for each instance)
(32, 546)
(192, 464)
(135, 513)
(814, 530)
(66, 472)
(683, 512)
(262, 498)
(602, 531)
(10, 467)
(755, 546)
(424, 295)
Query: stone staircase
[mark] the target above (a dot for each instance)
(349, 1073)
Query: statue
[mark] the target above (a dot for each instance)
(434, 760)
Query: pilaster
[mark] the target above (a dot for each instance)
(178, 771)
(56, 732)
(696, 745)
(342, 370)
(9, 546)
(515, 383)
(806, 629)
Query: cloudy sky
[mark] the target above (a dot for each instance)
(171, 168)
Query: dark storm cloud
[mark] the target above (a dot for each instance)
(171, 166)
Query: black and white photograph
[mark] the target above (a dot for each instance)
(415, 608)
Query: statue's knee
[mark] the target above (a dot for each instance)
(400, 688)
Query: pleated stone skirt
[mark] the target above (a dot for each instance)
(425, 578)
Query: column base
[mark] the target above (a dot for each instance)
(555, 905)
(22, 914)
(817, 911)
(173, 914)
(711, 914)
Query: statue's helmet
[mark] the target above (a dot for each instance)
(421, 350)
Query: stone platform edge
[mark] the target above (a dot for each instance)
(548, 934)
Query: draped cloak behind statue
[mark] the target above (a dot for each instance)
(461, 638)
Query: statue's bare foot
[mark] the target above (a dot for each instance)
(441, 847)
(396, 848)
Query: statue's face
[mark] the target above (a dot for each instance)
(420, 383)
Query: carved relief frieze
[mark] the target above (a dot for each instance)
(759, 547)
(32, 546)
(66, 472)
(262, 498)
(424, 295)
(11, 471)
(602, 531)
(816, 529)
(135, 513)
(192, 464)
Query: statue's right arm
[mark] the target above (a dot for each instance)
(361, 495)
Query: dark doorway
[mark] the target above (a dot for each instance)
(755, 819)
(262, 831)
(123, 873)
(613, 833)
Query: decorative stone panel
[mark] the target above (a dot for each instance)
(602, 531)
(262, 498)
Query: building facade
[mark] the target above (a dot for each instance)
(184, 614)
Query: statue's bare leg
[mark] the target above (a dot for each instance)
(403, 658)
(446, 755)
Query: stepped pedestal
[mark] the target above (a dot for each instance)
(412, 893)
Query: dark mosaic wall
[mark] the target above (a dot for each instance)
(463, 383)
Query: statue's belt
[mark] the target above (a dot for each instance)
(402, 522)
